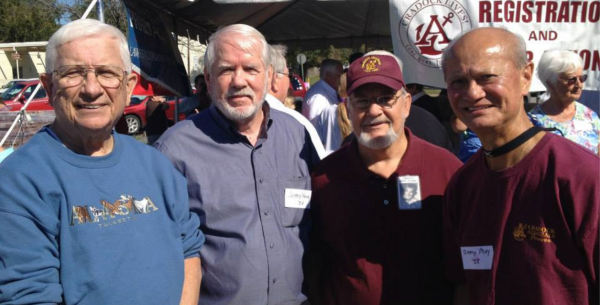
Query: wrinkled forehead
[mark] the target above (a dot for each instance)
(252, 47)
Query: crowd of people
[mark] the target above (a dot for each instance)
(246, 202)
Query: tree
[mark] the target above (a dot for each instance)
(28, 20)
(114, 12)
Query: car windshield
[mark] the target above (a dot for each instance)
(11, 92)
(136, 99)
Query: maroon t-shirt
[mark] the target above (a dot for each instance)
(374, 247)
(540, 217)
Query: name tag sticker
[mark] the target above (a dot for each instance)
(297, 198)
(409, 192)
(477, 257)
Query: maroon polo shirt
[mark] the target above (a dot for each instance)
(541, 218)
(372, 251)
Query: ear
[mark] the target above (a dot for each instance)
(273, 83)
(132, 79)
(46, 80)
(207, 79)
(407, 104)
(526, 76)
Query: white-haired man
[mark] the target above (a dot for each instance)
(377, 233)
(90, 216)
(323, 93)
(248, 170)
(521, 216)
(278, 91)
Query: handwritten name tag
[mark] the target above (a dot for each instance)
(477, 258)
(297, 198)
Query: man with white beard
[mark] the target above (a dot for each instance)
(248, 171)
(377, 219)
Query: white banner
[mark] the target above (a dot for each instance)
(422, 29)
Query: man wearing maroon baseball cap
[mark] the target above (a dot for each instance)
(377, 232)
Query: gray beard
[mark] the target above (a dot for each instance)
(379, 142)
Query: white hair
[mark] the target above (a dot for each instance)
(252, 35)
(555, 62)
(83, 28)
(277, 56)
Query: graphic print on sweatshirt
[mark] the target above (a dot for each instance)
(107, 214)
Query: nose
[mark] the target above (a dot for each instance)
(474, 91)
(91, 87)
(238, 79)
(374, 109)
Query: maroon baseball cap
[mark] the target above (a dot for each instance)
(380, 69)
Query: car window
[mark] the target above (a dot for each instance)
(28, 91)
(295, 83)
(11, 92)
(41, 93)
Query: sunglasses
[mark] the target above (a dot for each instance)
(574, 79)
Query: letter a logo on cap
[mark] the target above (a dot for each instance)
(371, 64)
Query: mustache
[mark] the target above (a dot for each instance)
(244, 91)
(376, 121)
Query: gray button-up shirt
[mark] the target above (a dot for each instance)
(253, 250)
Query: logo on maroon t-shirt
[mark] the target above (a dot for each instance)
(523, 232)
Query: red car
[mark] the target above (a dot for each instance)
(16, 96)
(135, 113)
(297, 86)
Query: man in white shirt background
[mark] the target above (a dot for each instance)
(324, 92)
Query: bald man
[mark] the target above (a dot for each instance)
(521, 216)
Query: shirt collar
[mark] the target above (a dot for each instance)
(228, 125)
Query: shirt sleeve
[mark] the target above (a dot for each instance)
(318, 103)
(29, 254)
(189, 223)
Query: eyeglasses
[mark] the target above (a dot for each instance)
(571, 81)
(385, 101)
(73, 75)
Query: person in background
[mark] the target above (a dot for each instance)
(561, 71)
(324, 92)
(377, 218)
(248, 171)
(278, 92)
(90, 216)
(197, 102)
(521, 216)
(156, 118)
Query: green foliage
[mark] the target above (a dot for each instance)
(28, 20)
(314, 57)
(114, 12)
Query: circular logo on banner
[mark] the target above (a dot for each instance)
(428, 26)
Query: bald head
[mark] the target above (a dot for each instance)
(487, 74)
(494, 41)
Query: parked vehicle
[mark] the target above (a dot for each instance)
(135, 113)
(11, 82)
(16, 96)
(297, 86)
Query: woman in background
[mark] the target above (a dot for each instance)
(561, 72)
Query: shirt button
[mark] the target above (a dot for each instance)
(272, 245)
(385, 186)
(260, 180)
(386, 202)
(266, 213)
(274, 281)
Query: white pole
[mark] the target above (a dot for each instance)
(89, 9)
(100, 11)
(20, 113)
